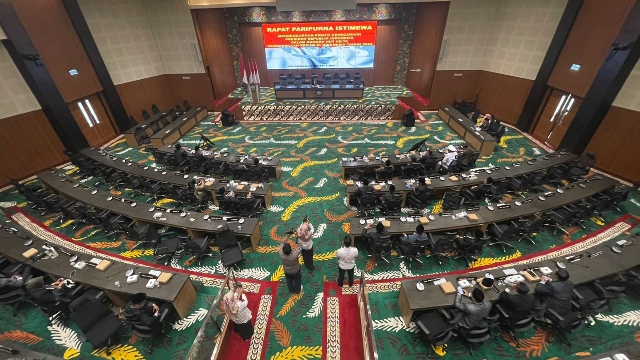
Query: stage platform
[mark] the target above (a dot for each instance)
(379, 103)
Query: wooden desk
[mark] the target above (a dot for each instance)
(479, 140)
(442, 186)
(352, 165)
(410, 299)
(171, 177)
(486, 216)
(179, 291)
(295, 92)
(179, 127)
(195, 225)
(273, 166)
(129, 134)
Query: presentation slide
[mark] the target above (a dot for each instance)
(320, 45)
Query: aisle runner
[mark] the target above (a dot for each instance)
(342, 322)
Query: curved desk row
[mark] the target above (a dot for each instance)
(171, 177)
(129, 135)
(179, 127)
(194, 223)
(441, 186)
(463, 126)
(179, 290)
(410, 299)
(529, 207)
(272, 165)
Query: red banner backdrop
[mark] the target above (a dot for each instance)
(320, 34)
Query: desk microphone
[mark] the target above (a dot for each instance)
(62, 251)
(9, 350)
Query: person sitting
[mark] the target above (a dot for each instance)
(473, 312)
(557, 294)
(364, 189)
(390, 196)
(47, 294)
(407, 240)
(374, 238)
(486, 122)
(421, 194)
(228, 119)
(144, 312)
(198, 155)
(179, 154)
(477, 192)
(256, 163)
(199, 192)
(13, 282)
(517, 300)
(385, 167)
(452, 154)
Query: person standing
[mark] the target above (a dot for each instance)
(235, 305)
(346, 261)
(304, 232)
(291, 266)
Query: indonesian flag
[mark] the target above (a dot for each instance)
(252, 76)
(257, 75)
(243, 71)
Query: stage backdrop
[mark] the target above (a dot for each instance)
(394, 32)
(320, 45)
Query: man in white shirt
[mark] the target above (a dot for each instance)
(346, 261)
(303, 234)
(235, 304)
(451, 155)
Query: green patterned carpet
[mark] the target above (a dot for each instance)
(311, 185)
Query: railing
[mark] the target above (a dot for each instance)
(366, 323)
(211, 336)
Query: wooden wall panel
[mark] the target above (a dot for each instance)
(594, 30)
(386, 54)
(139, 95)
(616, 144)
(385, 62)
(502, 95)
(28, 145)
(195, 88)
(211, 28)
(449, 85)
(57, 42)
(431, 18)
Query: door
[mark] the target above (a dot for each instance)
(555, 118)
(93, 119)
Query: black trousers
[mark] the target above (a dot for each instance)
(341, 272)
(244, 330)
(307, 258)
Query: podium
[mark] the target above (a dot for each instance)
(254, 91)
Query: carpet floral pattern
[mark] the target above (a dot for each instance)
(311, 185)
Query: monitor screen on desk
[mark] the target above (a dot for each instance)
(320, 45)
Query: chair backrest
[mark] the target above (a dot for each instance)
(145, 114)
(179, 109)
(395, 204)
(443, 244)
(186, 105)
(155, 109)
(226, 239)
(367, 200)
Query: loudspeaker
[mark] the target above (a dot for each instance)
(451, 200)
(408, 119)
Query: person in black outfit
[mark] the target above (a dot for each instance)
(198, 155)
(557, 294)
(518, 302)
(372, 239)
(390, 196)
(228, 119)
(144, 312)
(422, 193)
(480, 191)
(179, 154)
(364, 189)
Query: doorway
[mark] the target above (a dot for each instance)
(93, 119)
(555, 118)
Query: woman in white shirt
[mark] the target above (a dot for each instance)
(346, 261)
(235, 305)
(304, 233)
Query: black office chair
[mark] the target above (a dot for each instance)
(141, 136)
(165, 250)
(392, 207)
(145, 115)
(435, 330)
(198, 248)
(412, 171)
(471, 247)
(385, 174)
(452, 200)
(413, 251)
(155, 109)
(153, 189)
(504, 233)
(565, 324)
(179, 110)
(229, 247)
(366, 204)
(136, 233)
(441, 245)
(512, 326)
(380, 248)
(186, 105)
(147, 332)
(98, 324)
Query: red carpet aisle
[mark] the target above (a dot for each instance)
(342, 337)
(262, 306)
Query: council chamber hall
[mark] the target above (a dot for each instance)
(337, 179)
